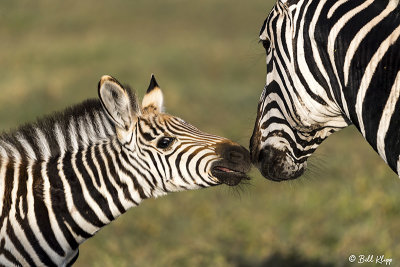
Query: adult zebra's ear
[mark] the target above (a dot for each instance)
(288, 3)
(153, 100)
(119, 106)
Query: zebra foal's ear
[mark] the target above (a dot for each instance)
(117, 103)
(153, 100)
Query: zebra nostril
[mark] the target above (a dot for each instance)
(235, 156)
(233, 164)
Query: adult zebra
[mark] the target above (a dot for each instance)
(329, 64)
(65, 177)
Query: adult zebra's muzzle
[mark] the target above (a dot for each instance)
(277, 165)
(235, 162)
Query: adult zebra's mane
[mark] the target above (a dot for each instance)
(77, 126)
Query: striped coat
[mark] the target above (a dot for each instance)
(330, 64)
(66, 176)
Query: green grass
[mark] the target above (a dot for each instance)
(206, 58)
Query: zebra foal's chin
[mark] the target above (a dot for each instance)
(66, 176)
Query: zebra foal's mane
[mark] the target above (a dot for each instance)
(77, 126)
(80, 125)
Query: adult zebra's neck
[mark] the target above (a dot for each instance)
(366, 55)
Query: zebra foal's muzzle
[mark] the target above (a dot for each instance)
(235, 162)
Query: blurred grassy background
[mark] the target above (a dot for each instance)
(206, 58)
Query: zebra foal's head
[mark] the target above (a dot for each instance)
(174, 155)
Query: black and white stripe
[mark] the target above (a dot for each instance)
(329, 64)
(66, 176)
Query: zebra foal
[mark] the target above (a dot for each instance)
(329, 64)
(66, 176)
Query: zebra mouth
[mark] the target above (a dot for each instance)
(228, 176)
(277, 165)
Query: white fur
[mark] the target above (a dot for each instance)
(154, 98)
(43, 144)
(387, 116)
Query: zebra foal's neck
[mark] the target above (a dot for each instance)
(59, 183)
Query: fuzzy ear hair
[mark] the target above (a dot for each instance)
(153, 99)
(117, 103)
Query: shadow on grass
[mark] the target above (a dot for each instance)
(278, 259)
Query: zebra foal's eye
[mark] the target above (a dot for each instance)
(165, 142)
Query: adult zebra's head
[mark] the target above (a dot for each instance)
(168, 152)
(297, 110)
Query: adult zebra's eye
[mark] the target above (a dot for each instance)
(266, 43)
(165, 142)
